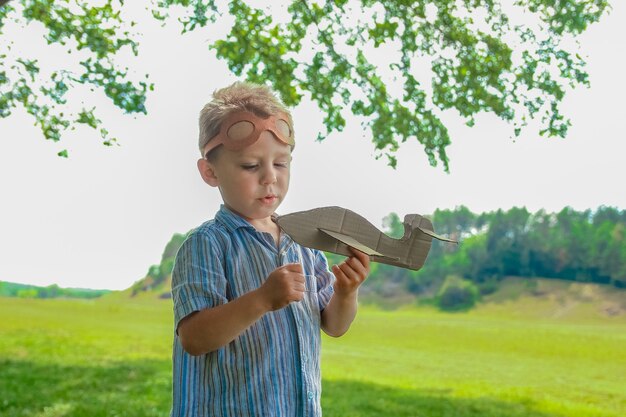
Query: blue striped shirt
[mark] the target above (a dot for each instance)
(272, 368)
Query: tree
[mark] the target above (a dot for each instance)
(456, 223)
(393, 226)
(457, 294)
(470, 56)
(327, 49)
(90, 38)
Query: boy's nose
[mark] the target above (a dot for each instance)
(269, 176)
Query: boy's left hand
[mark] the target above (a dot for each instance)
(351, 273)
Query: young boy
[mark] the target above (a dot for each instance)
(248, 301)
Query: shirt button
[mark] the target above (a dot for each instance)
(310, 395)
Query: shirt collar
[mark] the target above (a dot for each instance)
(230, 220)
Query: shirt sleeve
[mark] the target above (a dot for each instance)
(325, 280)
(198, 279)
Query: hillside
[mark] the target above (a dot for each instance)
(538, 297)
(148, 288)
(12, 289)
(552, 298)
(158, 278)
(579, 246)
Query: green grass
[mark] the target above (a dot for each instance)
(425, 363)
(112, 357)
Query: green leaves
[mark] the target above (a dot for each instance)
(567, 16)
(99, 33)
(201, 12)
(396, 65)
(586, 245)
(88, 118)
(481, 60)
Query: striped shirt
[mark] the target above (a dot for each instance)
(272, 368)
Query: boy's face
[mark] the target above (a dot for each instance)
(253, 181)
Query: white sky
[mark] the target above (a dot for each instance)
(100, 218)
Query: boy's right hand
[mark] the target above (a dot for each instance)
(284, 285)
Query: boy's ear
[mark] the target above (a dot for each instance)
(207, 172)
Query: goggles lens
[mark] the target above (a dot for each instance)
(283, 127)
(240, 130)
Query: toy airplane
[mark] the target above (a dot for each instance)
(333, 229)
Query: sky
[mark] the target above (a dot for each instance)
(100, 218)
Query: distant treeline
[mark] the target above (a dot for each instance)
(10, 289)
(587, 246)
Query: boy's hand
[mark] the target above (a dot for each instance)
(351, 273)
(284, 285)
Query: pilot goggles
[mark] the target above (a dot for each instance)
(242, 128)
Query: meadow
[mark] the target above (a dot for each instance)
(515, 358)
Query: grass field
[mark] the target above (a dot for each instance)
(521, 358)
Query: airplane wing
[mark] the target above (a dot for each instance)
(435, 235)
(352, 242)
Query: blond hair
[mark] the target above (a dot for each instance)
(239, 96)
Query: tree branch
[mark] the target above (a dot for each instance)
(2, 2)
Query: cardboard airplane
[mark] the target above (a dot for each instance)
(334, 229)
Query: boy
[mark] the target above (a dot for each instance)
(248, 301)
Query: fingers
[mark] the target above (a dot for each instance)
(295, 277)
(339, 274)
(357, 266)
(299, 283)
(349, 275)
(293, 267)
(362, 257)
(284, 285)
(359, 263)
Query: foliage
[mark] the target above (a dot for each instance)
(457, 294)
(395, 65)
(393, 226)
(587, 246)
(77, 358)
(398, 65)
(10, 289)
(157, 274)
(86, 39)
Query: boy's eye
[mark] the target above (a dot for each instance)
(281, 164)
(249, 167)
